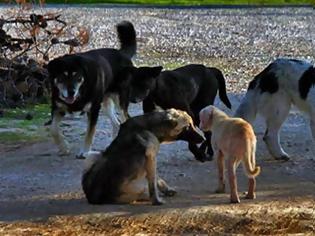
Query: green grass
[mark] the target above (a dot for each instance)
(11, 137)
(18, 129)
(190, 2)
(15, 118)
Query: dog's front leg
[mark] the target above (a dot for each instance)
(150, 166)
(199, 154)
(220, 163)
(57, 136)
(92, 120)
(251, 189)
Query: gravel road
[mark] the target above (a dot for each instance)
(40, 193)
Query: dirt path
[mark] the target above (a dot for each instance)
(40, 192)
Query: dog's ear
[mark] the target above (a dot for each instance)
(90, 68)
(170, 123)
(148, 72)
(55, 66)
(170, 120)
(210, 115)
(155, 71)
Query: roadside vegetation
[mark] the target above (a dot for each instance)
(191, 2)
(24, 124)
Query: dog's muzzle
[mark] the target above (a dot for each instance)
(70, 99)
(193, 134)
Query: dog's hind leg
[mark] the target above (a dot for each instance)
(232, 165)
(251, 188)
(110, 105)
(57, 136)
(150, 166)
(92, 120)
(165, 188)
(275, 113)
(247, 109)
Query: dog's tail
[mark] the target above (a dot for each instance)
(222, 88)
(249, 161)
(127, 37)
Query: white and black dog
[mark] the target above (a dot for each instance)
(272, 92)
(83, 82)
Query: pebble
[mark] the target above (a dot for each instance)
(239, 41)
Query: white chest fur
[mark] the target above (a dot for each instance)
(87, 107)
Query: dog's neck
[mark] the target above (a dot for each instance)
(217, 117)
(155, 86)
(159, 131)
(142, 123)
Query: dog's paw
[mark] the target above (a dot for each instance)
(203, 157)
(235, 200)
(64, 152)
(80, 156)
(250, 196)
(283, 158)
(220, 190)
(169, 192)
(209, 157)
(157, 202)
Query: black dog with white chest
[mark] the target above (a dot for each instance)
(189, 88)
(127, 168)
(80, 81)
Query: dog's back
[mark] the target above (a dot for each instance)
(194, 85)
(292, 78)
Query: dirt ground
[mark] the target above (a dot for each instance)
(41, 192)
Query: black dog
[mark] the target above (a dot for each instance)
(80, 81)
(189, 88)
(127, 168)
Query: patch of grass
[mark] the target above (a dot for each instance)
(16, 128)
(190, 2)
(10, 136)
(16, 118)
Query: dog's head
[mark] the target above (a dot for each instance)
(206, 117)
(182, 127)
(142, 82)
(67, 75)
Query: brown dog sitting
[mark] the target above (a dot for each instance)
(234, 139)
(127, 168)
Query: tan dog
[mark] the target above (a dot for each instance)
(234, 139)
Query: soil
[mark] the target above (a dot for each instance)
(40, 192)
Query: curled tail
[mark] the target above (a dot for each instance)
(127, 37)
(249, 161)
(222, 88)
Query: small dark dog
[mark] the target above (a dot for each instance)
(127, 168)
(189, 88)
(80, 81)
